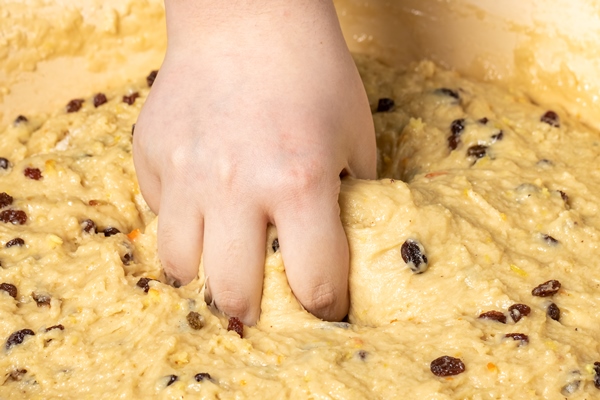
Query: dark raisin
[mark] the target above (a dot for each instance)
(9, 288)
(275, 245)
(549, 239)
(447, 366)
(385, 105)
(5, 199)
(172, 379)
(453, 142)
(151, 78)
(15, 242)
(59, 327)
(483, 121)
(195, 320)
(131, 98)
(546, 289)
(15, 217)
(457, 126)
(518, 311)
(33, 173)
(553, 311)
(18, 337)
(448, 92)
(236, 325)
(20, 119)
(414, 256)
(477, 151)
(74, 105)
(127, 258)
(362, 354)
(89, 226)
(4, 163)
(498, 136)
(17, 374)
(494, 315)
(132, 129)
(110, 231)
(597, 374)
(144, 283)
(99, 99)
(518, 336)
(551, 118)
(42, 300)
(202, 376)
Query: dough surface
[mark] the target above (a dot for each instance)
(521, 210)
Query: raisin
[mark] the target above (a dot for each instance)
(414, 256)
(17, 374)
(453, 142)
(42, 300)
(17, 337)
(553, 311)
(9, 288)
(447, 366)
(15, 217)
(362, 354)
(494, 315)
(275, 245)
(518, 311)
(549, 239)
(99, 99)
(236, 325)
(127, 258)
(89, 226)
(33, 173)
(457, 126)
(564, 196)
(144, 283)
(477, 151)
(518, 336)
(448, 92)
(385, 104)
(195, 320)
(172, 379)
(151, 78)
(132, 129)
(597, 374)
(202, 376)
(4, 163)
(110, 231)
(484, 121)
(15, 242)
(74, 105)
(59, 326)
(131, 98)
(551, 118)
(5, 199)
(20, 119)
(498, 136)
(546, 289)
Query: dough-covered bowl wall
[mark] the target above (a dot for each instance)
(474, 269)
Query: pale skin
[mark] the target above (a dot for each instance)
(256, 111)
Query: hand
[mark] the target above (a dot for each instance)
(251, 120)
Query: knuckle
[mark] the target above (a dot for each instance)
(320, 299)
(232, 303)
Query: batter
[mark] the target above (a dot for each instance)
(473, 262)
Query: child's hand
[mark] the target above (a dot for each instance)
(248, 123)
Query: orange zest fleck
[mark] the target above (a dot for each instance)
(491, 367)
(133, 234)
(435, 174)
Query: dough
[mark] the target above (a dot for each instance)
(512, 206)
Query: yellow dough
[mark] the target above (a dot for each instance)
(521, 210)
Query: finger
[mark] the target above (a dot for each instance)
(180, 236)
(315, 253)
(148, 181)
(234, 257)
